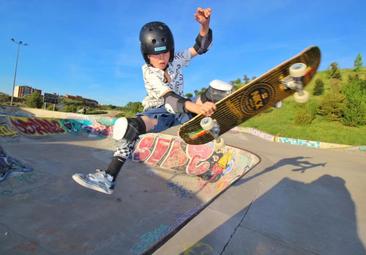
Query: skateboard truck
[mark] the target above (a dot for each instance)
(295, 82)
(213, 128)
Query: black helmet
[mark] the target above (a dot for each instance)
(156, 38)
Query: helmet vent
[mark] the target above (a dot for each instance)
(163, 39)
(153, 41)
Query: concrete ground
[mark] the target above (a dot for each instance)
(297, 200)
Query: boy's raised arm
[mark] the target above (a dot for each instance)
(204, 38)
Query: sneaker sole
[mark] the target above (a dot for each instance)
(77, 178)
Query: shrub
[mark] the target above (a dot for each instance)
(331, 106)
(354, 110)
(306, 114)
(34, 100)
(318, 88)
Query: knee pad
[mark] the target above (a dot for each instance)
(128, 128)
(216, 91)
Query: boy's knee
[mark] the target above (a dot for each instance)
(128, 128)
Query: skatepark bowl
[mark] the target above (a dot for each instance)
(172, 198)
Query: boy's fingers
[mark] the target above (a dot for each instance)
(207, 12)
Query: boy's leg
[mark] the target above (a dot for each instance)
(127, 131)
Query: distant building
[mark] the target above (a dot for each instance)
(86, 101)
(22, 91)
(90, 102)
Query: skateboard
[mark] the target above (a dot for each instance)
(288, 78)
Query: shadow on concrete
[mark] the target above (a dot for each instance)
(291, 218)
(301, 164)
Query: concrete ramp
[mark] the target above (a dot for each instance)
(161, 189)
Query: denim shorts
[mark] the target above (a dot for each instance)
(165, 118)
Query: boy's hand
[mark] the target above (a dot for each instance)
(207, 108)
(203, 16)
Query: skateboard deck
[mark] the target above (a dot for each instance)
(253, 98)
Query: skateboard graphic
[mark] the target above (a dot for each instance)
(268, 90)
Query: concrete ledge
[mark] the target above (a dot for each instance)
(295, 141)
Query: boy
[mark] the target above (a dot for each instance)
(164, 105)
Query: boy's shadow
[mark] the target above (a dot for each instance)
(300, 165)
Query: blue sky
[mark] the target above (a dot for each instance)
(90, 47)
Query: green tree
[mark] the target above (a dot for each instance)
(34, 100)
(354, 111)
(196, 93)
(70, 108)
(334, 72)
(236, 83)
(358, 63)
(133, 107)
(318, 88)
(246, 79)
(189, 95)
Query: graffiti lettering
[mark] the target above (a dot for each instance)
(142, 151)
(198, 155)
(5, 131)
(176, 156)
(161, 147)
(313, 144)
(35, 126)
(173, 153)
(87, 126)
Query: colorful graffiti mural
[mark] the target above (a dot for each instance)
(171, 152)
(5, 129)
(36, 126)
(91, 127)
(29, 126)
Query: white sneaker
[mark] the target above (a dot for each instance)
(99, 181)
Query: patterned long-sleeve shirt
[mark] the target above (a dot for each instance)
(155, 84)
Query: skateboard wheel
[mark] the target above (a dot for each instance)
(301, 96)
(207, 123)
(278, 104)
(219, 143)
(297, 70)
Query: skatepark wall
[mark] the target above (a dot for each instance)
(29, 122)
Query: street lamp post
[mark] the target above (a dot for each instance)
(19, 43)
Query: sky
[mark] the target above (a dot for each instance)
(90, 48)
